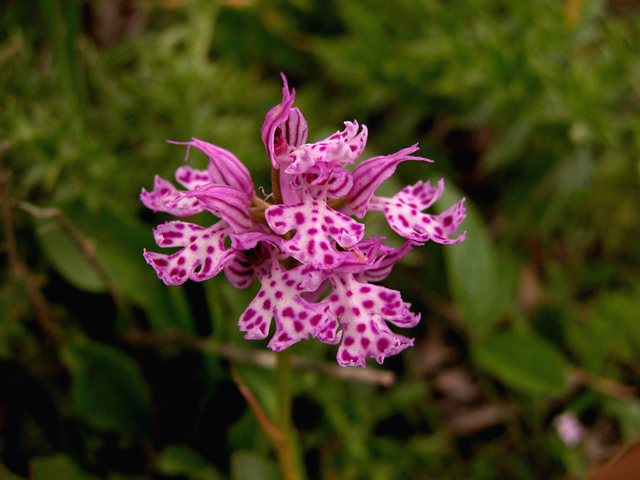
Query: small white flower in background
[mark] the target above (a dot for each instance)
(569, 428)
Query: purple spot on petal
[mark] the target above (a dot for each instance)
(288, 312)
(348, 341)
(361, 327)
(299, 218)
(382, 344)
(297, 326)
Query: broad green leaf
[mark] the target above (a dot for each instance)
(108, 388)
(58, 467)
(247, 465)
(525, 362)
(182, 460)
(481, 279)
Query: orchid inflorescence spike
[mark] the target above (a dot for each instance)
(310, 255)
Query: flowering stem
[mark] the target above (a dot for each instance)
(275, 185)
(289, 464)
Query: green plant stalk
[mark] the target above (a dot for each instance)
(288, 460)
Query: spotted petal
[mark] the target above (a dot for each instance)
(255, 248)
(344, 147)
(361, 309)
(165, 197)
(191, 178)
(403, 212)
(203, 247)
(314, 223)
(279, 298)
(374, 259)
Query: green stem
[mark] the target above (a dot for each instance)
(287, 458)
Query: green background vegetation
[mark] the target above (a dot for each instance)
(529, 109)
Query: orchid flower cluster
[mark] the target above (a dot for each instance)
(310, 255)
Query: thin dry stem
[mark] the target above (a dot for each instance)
(260, 358)
(85, 248)
(17, 265)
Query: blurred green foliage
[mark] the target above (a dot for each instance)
(530, 109)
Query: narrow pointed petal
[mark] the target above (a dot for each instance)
(280, 298)
(203, 256)
(315, 223)
(224, 167)
(295, 130)
(370, 174)
(254, 251)
(165, 197)
(277, 116)
(240, 272)
(225, 202)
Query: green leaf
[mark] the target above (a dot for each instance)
(525, 362)
(66, 258)
(251, 465)
(482, 280)
(59, 467)
(118, 242)
(182, 460)
(108, 388)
